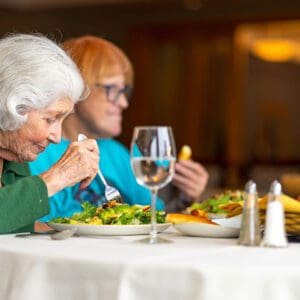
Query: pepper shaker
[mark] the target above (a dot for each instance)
(250, 234)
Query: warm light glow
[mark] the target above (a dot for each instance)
(274, 50)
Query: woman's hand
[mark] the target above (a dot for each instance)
(79, 163)
(191, 178)
(41, 227)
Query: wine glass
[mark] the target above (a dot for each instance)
(153, 157)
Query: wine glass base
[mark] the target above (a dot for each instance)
(157, 240)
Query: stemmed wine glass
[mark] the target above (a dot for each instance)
(153, 157)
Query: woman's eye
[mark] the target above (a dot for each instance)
(50, 120)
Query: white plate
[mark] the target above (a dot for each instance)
(233, 222)
(83, 229)
(207, 230)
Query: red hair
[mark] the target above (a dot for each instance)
(98, 58)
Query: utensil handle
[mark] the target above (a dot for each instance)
(102, 177)
(81, 137)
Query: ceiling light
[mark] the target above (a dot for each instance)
(274, 50)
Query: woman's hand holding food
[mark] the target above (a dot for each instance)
(78, 164)
(190, 176)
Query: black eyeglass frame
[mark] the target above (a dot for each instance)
(126, 90)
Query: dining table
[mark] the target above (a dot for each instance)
(123, 268)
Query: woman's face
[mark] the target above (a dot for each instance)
(101, 117)
(42, 128)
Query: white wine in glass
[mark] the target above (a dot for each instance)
(153, 156)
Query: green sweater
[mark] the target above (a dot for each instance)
(23, 198)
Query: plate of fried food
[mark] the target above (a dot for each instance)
(198, 224)
(291, 208)
(226, 210)
(218, 217)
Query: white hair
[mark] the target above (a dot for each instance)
(34, 72)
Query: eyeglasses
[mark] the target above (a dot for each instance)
(113, 92)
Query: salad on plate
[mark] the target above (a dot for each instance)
(113, 213)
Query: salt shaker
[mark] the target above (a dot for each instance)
(250, 234)
(275, 235)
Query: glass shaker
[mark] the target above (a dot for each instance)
(274, 234)
(250, 234)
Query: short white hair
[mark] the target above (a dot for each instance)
(34, 72)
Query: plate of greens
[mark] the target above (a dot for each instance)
(109, 229)
(223, 205)
(114, 219)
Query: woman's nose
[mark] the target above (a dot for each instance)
(55, 134)
(122, 101)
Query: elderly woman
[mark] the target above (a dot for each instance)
(109, 75)
(39, 85)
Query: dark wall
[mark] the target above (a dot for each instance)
(170, 28)
(114, 21)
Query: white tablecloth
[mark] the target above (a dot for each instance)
(190, 268)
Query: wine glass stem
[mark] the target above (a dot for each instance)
(153, 231)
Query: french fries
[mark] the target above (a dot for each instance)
(185, 153)
(177, 218)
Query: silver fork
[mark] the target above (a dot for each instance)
(111, 193)
(55, 235)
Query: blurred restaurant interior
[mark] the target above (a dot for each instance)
(224, 74)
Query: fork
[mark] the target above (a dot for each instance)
(111, 193)
(55, 235)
